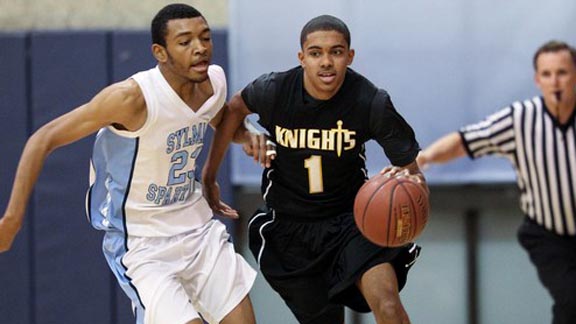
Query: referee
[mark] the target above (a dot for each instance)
(538, 137)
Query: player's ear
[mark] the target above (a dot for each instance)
(301, 58)
(159, 52)
(351, 53)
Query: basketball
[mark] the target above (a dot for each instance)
(391, 211)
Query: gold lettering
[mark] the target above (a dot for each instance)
(302, 138)
(313, 139)
(291, 138)
(403, 224)
(327, 140)
(280, 135)
(348, 139)
(339, 132)
(334, 139)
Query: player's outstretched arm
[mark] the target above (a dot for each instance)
(108, 107)
(443, 150)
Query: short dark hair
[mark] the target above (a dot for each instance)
(554, 46)
(325, 23)
(170, 12)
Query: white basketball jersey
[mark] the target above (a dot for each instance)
(143, 182)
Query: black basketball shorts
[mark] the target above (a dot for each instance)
(314, 264)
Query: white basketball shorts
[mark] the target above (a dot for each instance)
(176, 278)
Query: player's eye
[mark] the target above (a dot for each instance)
(206, 37)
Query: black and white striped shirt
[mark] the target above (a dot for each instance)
(543, 153)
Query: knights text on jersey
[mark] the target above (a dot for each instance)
(143, 182)
(320, 162)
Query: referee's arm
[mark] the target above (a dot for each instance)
(443, 150)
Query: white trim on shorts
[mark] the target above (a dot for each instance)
(260, 231)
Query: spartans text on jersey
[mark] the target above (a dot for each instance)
(183, 146)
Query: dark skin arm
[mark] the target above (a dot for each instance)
(119, 104)
(224, 133)
(230, 127)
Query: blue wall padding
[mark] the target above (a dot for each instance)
(15, 266)
(67, 70)
(131, 52)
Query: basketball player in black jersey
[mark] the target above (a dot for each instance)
(319, 115)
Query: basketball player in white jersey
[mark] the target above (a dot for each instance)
(170, 257)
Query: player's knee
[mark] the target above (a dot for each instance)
(388, 307)
(389, 310)
(243, 313)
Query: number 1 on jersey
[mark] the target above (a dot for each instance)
(314, 166)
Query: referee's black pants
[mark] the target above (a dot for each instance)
(555, 259)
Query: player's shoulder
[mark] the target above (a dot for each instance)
(126, 93)
(361, 84)
(363, 89)
(357, 78)
(280, 77)
(127, 89)
(273, 83)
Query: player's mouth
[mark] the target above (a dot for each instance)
(327, 77)
(200, 67)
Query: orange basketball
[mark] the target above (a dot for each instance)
(391, 211)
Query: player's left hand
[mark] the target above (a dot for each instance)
(211, 193)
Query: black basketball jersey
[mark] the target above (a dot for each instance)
(320, 161)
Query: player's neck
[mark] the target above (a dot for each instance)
(193, 93)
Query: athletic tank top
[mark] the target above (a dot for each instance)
(143, 182)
